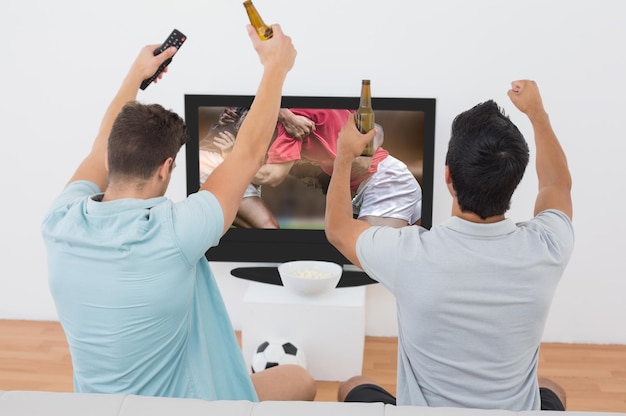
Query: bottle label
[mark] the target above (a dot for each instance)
(364, 121)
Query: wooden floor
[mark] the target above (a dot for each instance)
(34, 356)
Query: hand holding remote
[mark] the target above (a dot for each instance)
(176, 39)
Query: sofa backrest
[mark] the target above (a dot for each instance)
(33, 403)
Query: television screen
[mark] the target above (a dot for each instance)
(281, 217)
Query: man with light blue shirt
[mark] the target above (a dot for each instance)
(473, 293)
(127, 269)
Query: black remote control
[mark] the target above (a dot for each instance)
(176, 38)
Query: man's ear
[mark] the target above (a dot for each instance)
(448, 178)
(166, 168)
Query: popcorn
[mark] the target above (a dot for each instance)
(312, 274)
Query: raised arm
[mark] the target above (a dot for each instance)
(342, 230)
(93, 167)
(230, 179)
(555, 181)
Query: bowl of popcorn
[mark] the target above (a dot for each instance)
(310, 277)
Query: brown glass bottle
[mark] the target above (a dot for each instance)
(265, 32)
(364, 116)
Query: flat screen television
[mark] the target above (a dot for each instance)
(296, 205)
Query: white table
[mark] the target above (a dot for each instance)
(330, 328)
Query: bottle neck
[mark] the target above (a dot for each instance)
(366, 96)
(265, 32)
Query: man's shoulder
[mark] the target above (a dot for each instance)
(554, 227)
(552, 217)
(201, 196)
(197, 207)
(83, 187)
(74, 192)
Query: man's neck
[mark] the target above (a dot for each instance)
(471, 217)
(143, 190)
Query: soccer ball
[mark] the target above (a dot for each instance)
(276, 352)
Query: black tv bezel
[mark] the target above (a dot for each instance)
(281, 245)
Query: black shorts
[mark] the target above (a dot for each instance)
(371, 393)
(549, 400)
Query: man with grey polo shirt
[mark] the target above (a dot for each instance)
(472, 294)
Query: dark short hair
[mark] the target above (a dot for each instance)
(487, 156)
(143, 136)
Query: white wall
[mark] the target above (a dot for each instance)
(65, 60)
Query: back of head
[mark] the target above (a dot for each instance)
(142, 138)
(487, 156)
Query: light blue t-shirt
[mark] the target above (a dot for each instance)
(472, 302)
(137, 300)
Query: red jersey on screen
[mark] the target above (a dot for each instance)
(321, 146)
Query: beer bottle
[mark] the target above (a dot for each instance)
(265, 32)
(364, 116)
